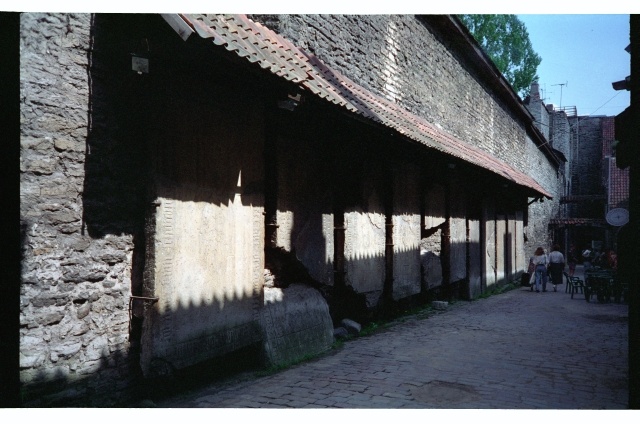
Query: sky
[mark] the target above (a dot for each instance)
(581, 56)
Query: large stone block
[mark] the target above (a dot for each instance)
(364, 249)
(295, 323)
(430, 250)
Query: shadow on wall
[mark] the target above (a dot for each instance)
(131, 117)
(88, 361)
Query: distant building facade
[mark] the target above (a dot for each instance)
(592, 183)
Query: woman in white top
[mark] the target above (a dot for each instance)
(540, 262)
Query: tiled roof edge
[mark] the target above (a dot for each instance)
(256, 43)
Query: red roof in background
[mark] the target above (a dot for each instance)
(260, 45)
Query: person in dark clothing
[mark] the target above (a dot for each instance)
(556, 266)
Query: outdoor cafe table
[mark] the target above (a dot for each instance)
(600, 282)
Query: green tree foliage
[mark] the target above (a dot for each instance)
(506, 41)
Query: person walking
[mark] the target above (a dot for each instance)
(587, 259)
(556, 266)
(540, 262)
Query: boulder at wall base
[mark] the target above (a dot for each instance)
(295, 323)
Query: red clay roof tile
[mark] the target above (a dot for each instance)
(271, 51)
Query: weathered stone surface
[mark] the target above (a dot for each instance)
(43, 300)
(63, 144)
(67, 350)
(295, 322)
(457, 231)
(37, 144)
(57, 288)
(406, 232)
(434, 202)
(31, 358)
(44, 166)
(476, 256)
(305, 226)
(80, 328)
(113, 256)
(77, 242)
(351, 326)
(364, 248)
(63, 217)
(50, 318)
(98, 348)
(439, 305)
(80, 273)
(83, 310)
(430, 250)
(209, 279)
(340, 333)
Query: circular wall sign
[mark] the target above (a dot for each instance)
(618, 217)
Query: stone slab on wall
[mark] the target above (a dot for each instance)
(304, 215)
(365, 230)
(434, 207)
(430, 259)
(206, 244)
(406, 233)
(512, 251)
(501, 249)
(458, 232)
(488, 217)
(295, 323)
(208, 277)
(476, 255)
(365, 249)
(431, 246)
(521, 258)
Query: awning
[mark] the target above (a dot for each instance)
(593, 222)
(260, 45)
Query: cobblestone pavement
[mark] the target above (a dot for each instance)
(516, 350)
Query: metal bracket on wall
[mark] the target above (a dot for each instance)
(142, 298)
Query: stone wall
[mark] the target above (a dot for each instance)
(80, 246)
(148, 190)
(587, 165)
(403, 59)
